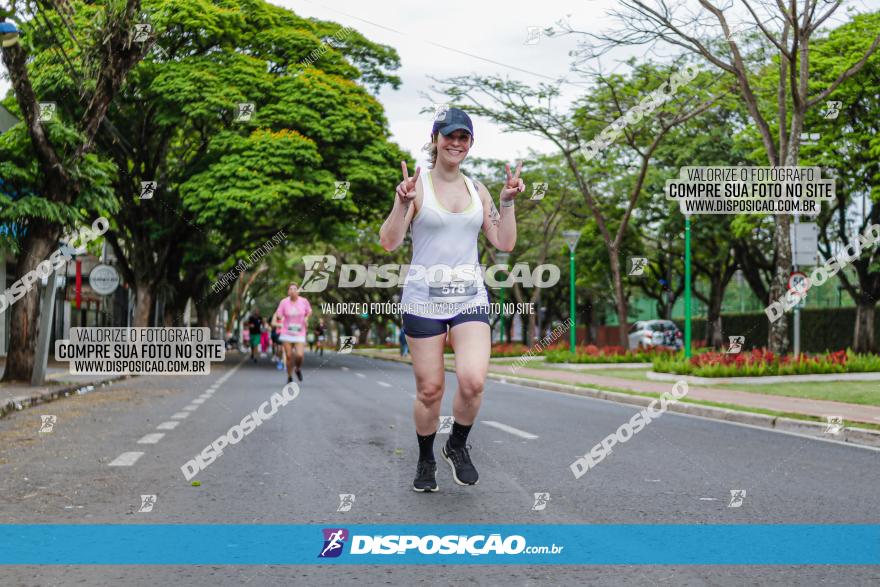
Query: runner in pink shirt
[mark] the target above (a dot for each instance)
(292, 316)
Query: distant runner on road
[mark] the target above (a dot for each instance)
(293, 315)
(446, 211)
(255, 326)
(320, 334)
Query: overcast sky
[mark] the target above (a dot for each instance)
(482, 38)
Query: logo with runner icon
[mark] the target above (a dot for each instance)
(346, 500)
(319, 268)
(736, 344)
(737, 497)
(47, 423)
(346, 344)
(147, 503)
(541, 501)
(334, 541)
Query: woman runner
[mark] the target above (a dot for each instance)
(446, 211)
(293, 315)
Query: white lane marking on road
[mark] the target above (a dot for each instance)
(361, 375)
(708, 499)
(412, 395)
(169, 425)
(383, 384)
(180, 415)
(151, 438)
(199, 400)
(126, 459)
(510, 430)
(191, 408)
(344, 368)
(206, 395)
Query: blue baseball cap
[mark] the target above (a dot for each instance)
(454, 119)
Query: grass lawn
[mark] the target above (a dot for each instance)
(636, 374)
(852, 392)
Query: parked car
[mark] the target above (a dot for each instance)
(655, 334)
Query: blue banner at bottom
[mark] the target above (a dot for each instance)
(252, 544)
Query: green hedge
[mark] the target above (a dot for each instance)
(822, 329)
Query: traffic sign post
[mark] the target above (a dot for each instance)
(795, 281)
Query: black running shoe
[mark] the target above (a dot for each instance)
(289, 379)
(459, 460)
(426, 477)
(299, 374)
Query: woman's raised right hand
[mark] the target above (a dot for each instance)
(406, 190)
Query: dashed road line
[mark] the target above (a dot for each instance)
(180, 415)
(510, 430)
(126, 459)
(383, 384)
(169, 425)
(361, 375)
(191, 408)
(199, 400)
(151, 438)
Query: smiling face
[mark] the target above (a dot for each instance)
(452, 149)
(293, 291)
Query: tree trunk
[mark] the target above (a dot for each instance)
(382, 331)
(620, 301)
(532, 324)
(143, 300)
(863, 337)
(25, 313)
(714, 336)
(777, 338)
(206, 317)
(172, 317)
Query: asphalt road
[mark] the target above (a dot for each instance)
(350, 432)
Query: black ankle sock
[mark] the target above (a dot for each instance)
(426, 447)
(458, 437)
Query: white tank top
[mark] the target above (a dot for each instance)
(444, 277)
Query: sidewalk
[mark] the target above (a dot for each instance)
(59, 382)
(776, 403)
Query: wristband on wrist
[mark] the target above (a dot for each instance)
(506, 203)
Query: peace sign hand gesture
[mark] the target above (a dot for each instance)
(406, 190)
(514, 184)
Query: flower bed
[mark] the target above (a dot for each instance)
(510, 350)
(611, 354)
(761, 362)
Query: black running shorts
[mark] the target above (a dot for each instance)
(419, 327)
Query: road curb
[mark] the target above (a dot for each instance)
(858, 436)
(21, 402)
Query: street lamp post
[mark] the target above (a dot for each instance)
(687, 286)
(502, 259)
(571, 239)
